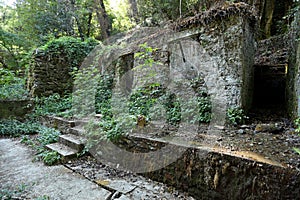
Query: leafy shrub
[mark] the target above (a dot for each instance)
(236, 116)
(47, 136)
(13, 92)
(13, 193)
(53, 105)
(110, 129)
(104, 94)
(142, 100)
(8, 77)
(73, 48)
(297, 125)
(49, 157)
(12, 87)
(16, 128)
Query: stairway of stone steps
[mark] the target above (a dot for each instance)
(71, 142)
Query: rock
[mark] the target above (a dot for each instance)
(290, 131)
(244, 127)
(270, 128)
(240, 131)
(219, 127)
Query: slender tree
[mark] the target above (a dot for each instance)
(134, 10)
(103, 19)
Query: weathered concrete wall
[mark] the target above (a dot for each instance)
(221, 53)
(201, 172)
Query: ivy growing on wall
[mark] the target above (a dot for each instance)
(72, 48)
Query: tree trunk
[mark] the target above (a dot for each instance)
(73, 10)
(267, 17)
(134, 10)
(103, 20)
(89, 24)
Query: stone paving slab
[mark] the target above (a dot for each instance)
(56, 182)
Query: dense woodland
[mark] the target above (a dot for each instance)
(30, 23)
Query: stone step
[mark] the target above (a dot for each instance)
(81, 122)
(78, 131)
(64, 151)
(74, 141)
(84, 121)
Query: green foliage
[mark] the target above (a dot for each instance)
(11, 86)
(162, 10)
(45, 197)
(13, 193)
(74, 49)
(297, 150)
(119, 16)
(104, 94)
(110, 129)
(173, 108)
(145, 56)
(13, 92)
(16, 128)
(86, 81)
(45, 136)
(41, 19)
(200, 104)
(176, 109)
(236, 116)
(12, 48)
(9, 77)
(53, 105)
(144, 98)
(49, 157)
(297, 125)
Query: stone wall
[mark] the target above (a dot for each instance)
(293, 80)
(53, 64)
(50, 74)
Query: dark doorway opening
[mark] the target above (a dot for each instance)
(270, 89)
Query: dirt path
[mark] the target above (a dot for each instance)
(56, 182)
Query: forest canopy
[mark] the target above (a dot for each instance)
(28, 24)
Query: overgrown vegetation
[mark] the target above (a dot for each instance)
(297, 125)
(236, 116)
(152, 101)
(11, 86)
(73, 49)
(15, 128)
(53, 105)
(9, 193)
(18, 192)
(33, 134)
(44, 137)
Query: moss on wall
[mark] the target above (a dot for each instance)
(54, 63)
